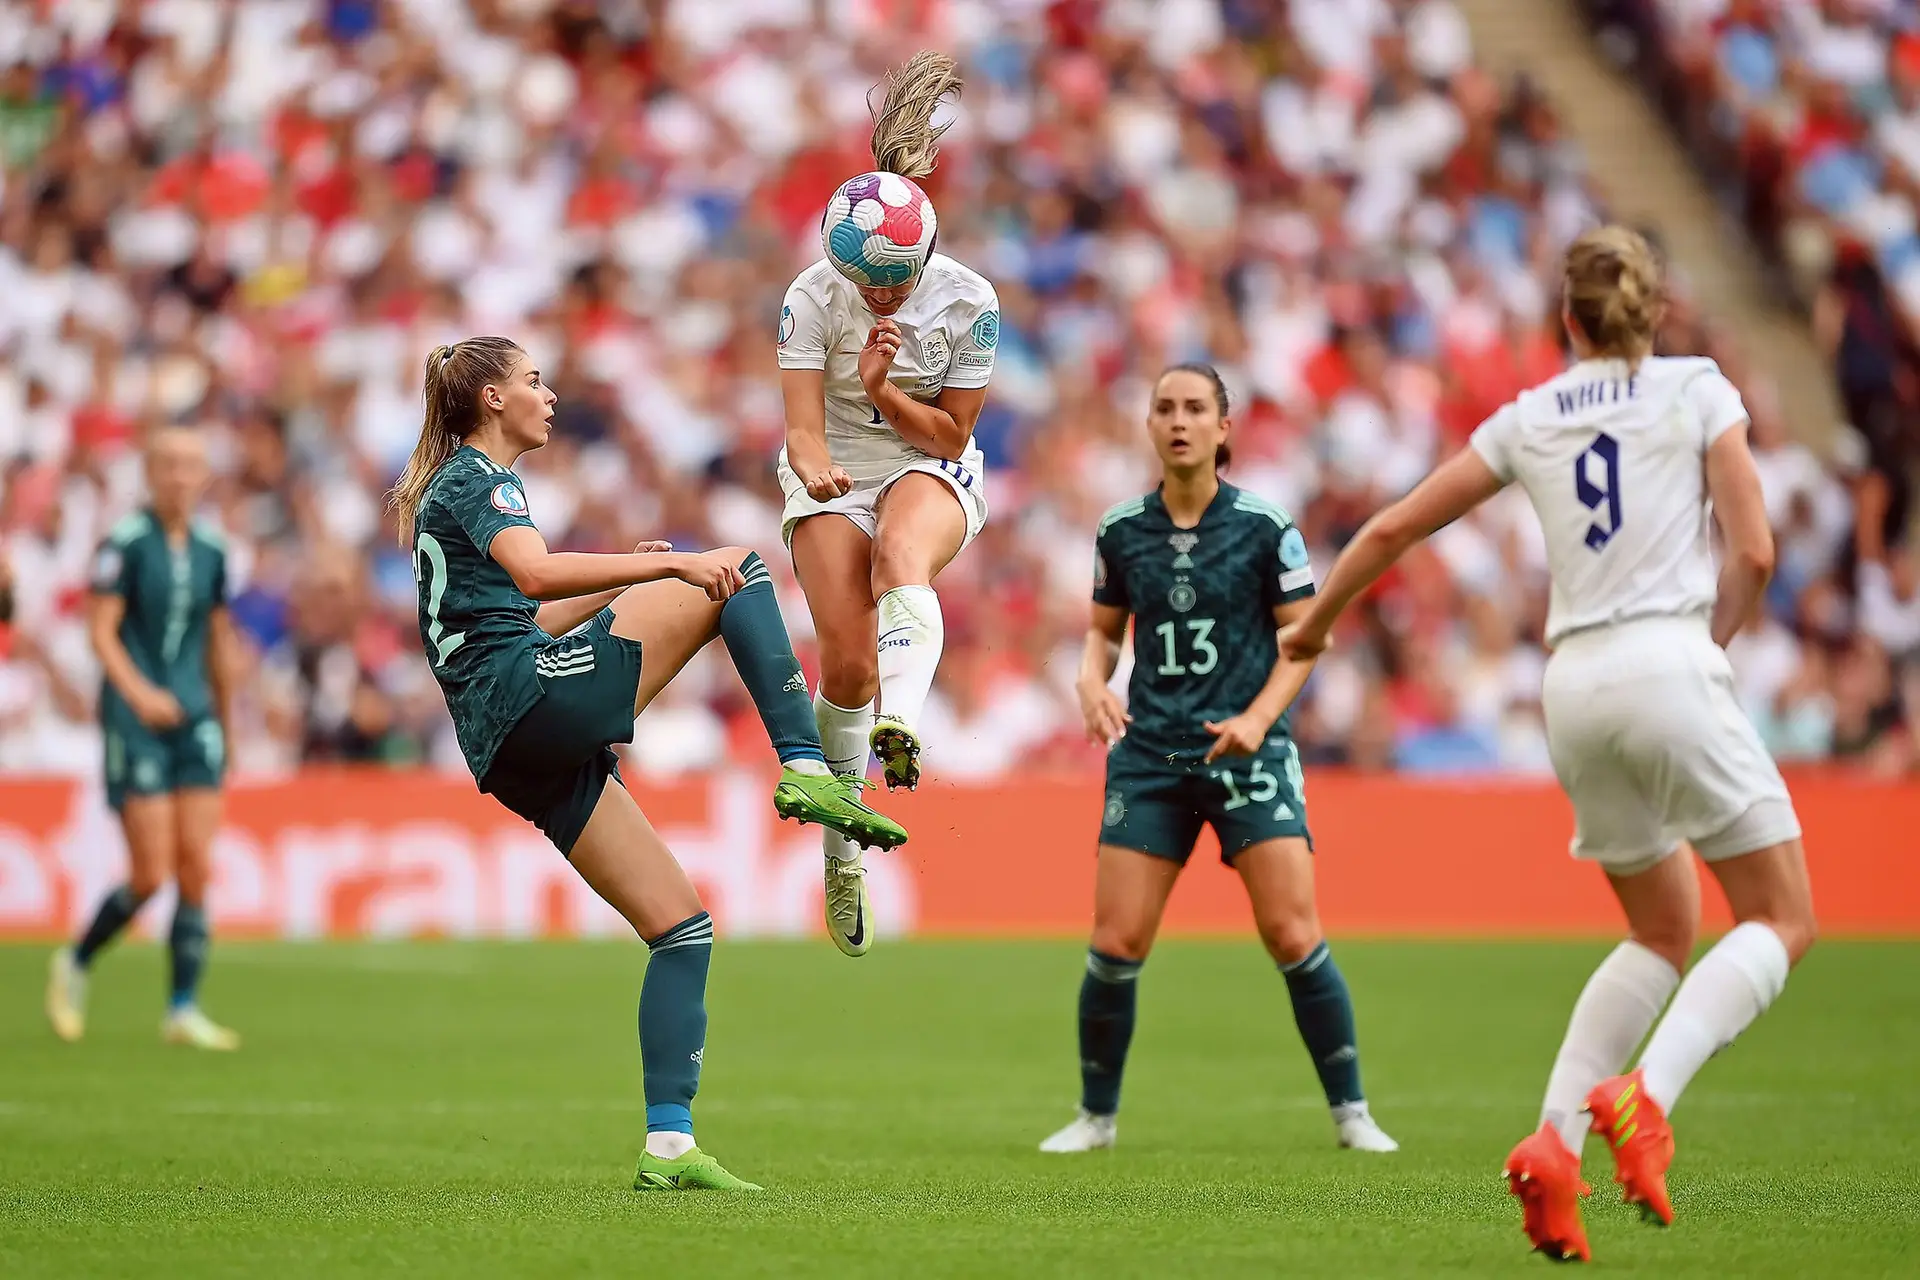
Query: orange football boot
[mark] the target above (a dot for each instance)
(1545, 1176)
(1637, 1131)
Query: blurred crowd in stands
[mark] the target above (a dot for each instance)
(257, 217)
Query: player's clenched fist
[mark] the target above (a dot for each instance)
(876, 357)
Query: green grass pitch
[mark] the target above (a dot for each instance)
(474, 1111)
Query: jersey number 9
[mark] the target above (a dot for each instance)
(1603, 456)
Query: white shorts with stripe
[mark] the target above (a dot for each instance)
(967, 478)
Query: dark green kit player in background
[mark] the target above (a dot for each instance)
(546, 659)
(1208, 573)
(159, 625)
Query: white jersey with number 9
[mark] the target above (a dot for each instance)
(1646, 733)
(1613, 460)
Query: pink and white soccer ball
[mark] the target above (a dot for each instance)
(879, 230)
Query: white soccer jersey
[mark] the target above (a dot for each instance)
(1614, 462)
(949, 326)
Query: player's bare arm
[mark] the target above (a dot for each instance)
(804, 395)
(1456, 487)
(156, 708)
(1246, 733)
(941, 428)
(223, 667)
(541, 574)
(557, 617)
(1100, 707)
(1740, 509)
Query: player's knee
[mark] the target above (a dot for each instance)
(849, 678)
(145, 881)
(192, 879)
(732, 555)
(1794, 924)
(1290, 939)
(1670, 939)
(1122, 939)
(895, 565)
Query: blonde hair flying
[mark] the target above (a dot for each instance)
(904, 139)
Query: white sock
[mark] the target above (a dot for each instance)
(669, 1146)
(1610, 1019)
(911, 635)
(1731, 986)
(843, 736)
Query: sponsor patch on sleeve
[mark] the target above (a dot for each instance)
(986, 331)
(1293, 550)
(508, 498)
(106, 567)
(786, 324)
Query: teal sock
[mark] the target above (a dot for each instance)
(1106, 1029)
(187, 950)
(116, 911)
(673, 1022)
(1323, 1010)
(756, 637)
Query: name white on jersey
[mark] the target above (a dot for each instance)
(950, 326)
(1613, 462)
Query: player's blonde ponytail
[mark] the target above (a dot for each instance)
(454, 376)
(1614, 292)
(903, 134)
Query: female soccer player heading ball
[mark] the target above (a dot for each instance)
(885, 352)
(1623, 457)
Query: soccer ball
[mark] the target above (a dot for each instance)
(879, 230)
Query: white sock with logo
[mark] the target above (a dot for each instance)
(1610, 1019)
(912, 633)
(843, 738)
(1731, 986)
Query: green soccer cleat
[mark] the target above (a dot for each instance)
(833, 801)
(897, 748)
(694, 1171)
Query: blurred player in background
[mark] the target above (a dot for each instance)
(1623, 456)
(546, 658)
(159, 625)
(1208, 573)
(885, 352)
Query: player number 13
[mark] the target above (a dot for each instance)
(1205, 656)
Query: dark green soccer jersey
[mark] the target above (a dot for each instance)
(1202, 599)
(171, 591)
(477, 627)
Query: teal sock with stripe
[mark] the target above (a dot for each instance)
(1107, 1000)
(116, 911)
(756, 638)
(187, 944)
(673, 1022)
(1323, 1011)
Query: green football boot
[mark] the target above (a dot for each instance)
(833, 801)
(694, 1171)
